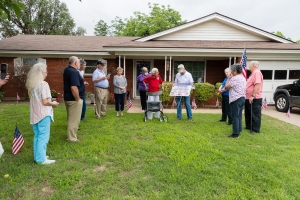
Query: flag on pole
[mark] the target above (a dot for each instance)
(18, 141)
(194, 105)
(217, 102)
(288, 113)
(161, 106)
(129, 103)
(18, 98)
(243, 63)
(265, 104)
(174, 104)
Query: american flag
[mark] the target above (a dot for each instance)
(174, 104)
(243, 63)
(129, 103)
(194, 105)
(161, 106)
(18, 141)
(265, 104)
(217, 103)
(18, 98)
(288, 113)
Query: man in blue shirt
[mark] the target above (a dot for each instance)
(226, 112)
(101, 84)
(74, 91)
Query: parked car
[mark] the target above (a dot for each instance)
(287, 96)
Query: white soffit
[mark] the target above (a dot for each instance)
(206, 28)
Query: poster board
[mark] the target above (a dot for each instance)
(181, 90)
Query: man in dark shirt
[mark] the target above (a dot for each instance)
(74, 91)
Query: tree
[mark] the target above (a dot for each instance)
(80, 31)
(160, 18)
(298, 41)
(278, 33)
(45, 17)
(101, 28)
(9, 6)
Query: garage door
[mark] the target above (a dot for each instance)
(278, 73)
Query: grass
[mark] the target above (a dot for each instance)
(126, 158)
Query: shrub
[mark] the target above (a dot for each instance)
(1, 95)
(166, 93)
(203, 92)
(216, 93)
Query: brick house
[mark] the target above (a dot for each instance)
(206, 46)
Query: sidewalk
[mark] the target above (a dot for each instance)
(294, 116)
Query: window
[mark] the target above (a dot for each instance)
(294, 74)
(23, 65)
(267, 74)
(280, 74)
(91, 66)
(196, 68)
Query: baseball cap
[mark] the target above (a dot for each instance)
(180, 68)
(99, 62)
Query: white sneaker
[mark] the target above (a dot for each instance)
(47, 162)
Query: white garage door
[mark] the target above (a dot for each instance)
(278, 73)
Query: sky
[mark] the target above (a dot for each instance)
(268, 15)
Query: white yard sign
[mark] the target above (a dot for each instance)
(182, 90)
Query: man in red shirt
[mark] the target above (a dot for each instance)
(154, 81)
(254, 98)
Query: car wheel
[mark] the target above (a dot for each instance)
(282, 103)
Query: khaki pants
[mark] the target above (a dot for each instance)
(101, 101)
(73, 116)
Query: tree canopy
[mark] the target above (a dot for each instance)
(280, 34)
(9, 6)
(47, 17)
(160, 18)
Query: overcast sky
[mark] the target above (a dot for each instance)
(269, 15)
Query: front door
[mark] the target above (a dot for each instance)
(138, 70)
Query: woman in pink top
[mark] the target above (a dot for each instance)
(236, 84)
(41, 112)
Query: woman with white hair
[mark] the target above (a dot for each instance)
(154, 81)
(226, 112)
(41, 111)
(142, 87)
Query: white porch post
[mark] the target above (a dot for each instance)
(229, 61)
(124, 67)
(170, 72)
(165, 77)
(234, 60)
(119, 61)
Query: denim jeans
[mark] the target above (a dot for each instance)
(41, 138)
(187, 106)
(83, 108)
(236, 114)
(226, 111)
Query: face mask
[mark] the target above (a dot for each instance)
(146, 73)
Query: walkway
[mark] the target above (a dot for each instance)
(294, 116)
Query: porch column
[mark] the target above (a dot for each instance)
(165, 77)
(234, 60)
(119, 61)
(229, 61)
(170, 72)
(124, 67)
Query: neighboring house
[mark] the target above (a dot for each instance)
(206, 46)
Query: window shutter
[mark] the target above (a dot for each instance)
(18, 63)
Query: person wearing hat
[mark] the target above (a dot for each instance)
(101, 84)
(183, 77)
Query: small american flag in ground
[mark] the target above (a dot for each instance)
(18, 141)
(243, 63)
(18, 98)
(174, 104)
(288, 113)
(265, 104)
(129, 103)
(194, 105)
(217, 103)
(161, 106)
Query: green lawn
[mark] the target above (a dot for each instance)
(126, 158)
